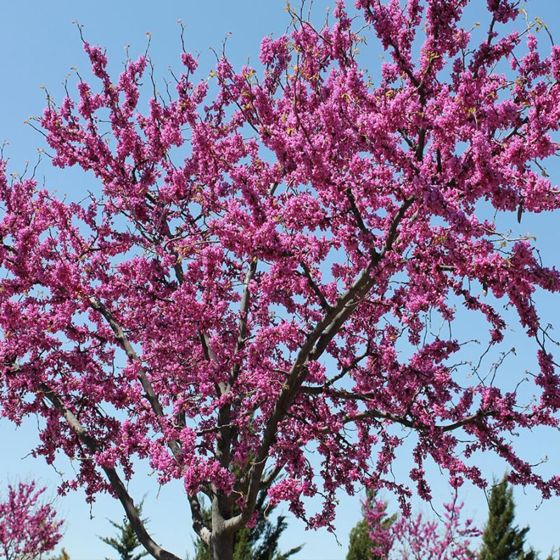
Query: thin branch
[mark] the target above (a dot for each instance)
(410, 423)
(244, 313)
(133, 357)
(316, 290)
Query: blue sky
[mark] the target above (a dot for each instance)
(38, 47)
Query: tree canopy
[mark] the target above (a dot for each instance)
(264, 267)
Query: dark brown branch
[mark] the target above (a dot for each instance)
(271, 477)
(174, 445)
(357, 214)
(206, 347)
(228, 431)
(316, 290)
(114, 479)
(244, 313)
(316, 390)
(125, 344)
(410, 423)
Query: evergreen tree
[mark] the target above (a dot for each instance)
(501, 540)
(361, 544)
(126, 542)
(63, 555)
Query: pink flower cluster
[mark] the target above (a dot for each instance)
(28, 527)
(417, 538)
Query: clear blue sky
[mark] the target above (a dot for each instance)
(38, 47)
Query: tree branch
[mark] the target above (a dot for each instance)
(174, 445)
(316, 290)
(114, 479)
(410, 423)
(312, 349)
(133, 357)
(244, 313)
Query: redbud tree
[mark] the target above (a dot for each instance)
(247, 302)
(419, 538)
(28, 526)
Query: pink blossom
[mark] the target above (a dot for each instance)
(28, 527)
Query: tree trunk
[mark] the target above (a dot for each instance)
(221, 541)
(222, 546)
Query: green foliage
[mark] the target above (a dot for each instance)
(360, 543)
(202, 552)
(63, 555)
(126, 542)
(263, 541)
(502, 540)
(360, 546)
